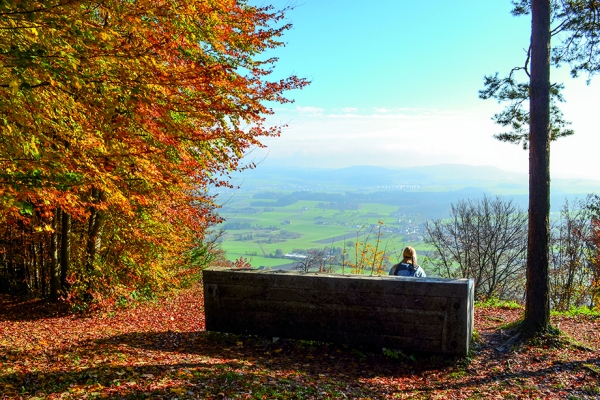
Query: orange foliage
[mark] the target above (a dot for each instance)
(120, 115)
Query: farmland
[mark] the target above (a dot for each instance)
(275, 211)
(260, 233)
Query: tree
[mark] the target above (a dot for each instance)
(315, 259)
(537, 308)
(572, 256)
(116, 118)
(484, 239)
(577, 31)
(594, 208)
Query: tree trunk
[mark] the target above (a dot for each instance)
(537, 310)
(54, 267)
(3, 271)
(36, 268)
(96, 222)
(43, 268)
(65, 248)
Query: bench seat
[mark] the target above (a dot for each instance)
(416, 314)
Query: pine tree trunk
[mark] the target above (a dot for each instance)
(537, 310)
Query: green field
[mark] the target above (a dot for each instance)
(304, 225)
(281, 210)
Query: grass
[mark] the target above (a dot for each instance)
(314, 227)
(494, 302)
(578, 312)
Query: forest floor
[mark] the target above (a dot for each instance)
(161, 350)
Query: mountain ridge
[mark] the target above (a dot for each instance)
(429, 178)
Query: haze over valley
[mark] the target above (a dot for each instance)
(276, 211)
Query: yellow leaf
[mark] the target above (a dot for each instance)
(14, 86)
(178, 390)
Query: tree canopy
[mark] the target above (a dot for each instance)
(116, 118)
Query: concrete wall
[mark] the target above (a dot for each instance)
(428, 314)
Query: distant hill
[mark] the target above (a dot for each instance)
(443, 177)
(428, 190)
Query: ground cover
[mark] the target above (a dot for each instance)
(160, 350)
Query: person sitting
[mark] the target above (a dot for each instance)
(408, 266)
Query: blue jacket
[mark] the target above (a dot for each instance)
(407, 269)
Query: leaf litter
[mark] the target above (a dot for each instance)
(161, 350)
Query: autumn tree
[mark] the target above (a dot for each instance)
(116, 118)
(575, 28)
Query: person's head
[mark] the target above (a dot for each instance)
(409, 255)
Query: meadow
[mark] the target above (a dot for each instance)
(314, 225)
(289, 209)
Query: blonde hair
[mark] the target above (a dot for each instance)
(410, 255)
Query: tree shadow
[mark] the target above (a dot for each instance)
(286, 353)
(13, 308)
(586, 369)
(220, 365)
(117, 380)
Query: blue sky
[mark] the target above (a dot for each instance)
(395, 83)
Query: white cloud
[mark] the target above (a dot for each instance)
(407, 137)
(392, 139)
(349, 109)
(382, 110)
(314, 111)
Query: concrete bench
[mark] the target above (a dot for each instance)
(427, 314)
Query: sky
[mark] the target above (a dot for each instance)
(395, 83)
